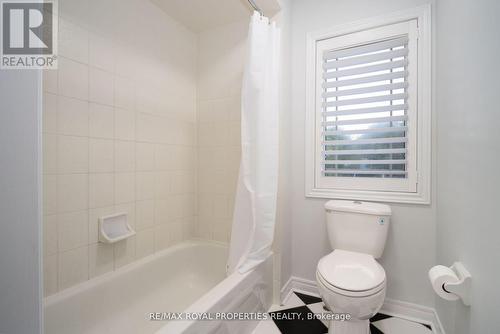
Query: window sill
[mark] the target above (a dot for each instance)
(375, 196)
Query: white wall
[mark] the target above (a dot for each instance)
(20, 187)
(410, 249)
(119, 136)
(468, 49)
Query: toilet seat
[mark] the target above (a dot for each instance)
(351, 273)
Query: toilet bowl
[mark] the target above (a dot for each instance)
(349, 279)
(351, 283)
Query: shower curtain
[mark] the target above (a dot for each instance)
(255, 206)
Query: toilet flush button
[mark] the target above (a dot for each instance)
(381, 221)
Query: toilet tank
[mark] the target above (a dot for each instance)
(358, 226)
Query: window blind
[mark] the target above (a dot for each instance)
(364, 123)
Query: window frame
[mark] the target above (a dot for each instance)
(417, 190)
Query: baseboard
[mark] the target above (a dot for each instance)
(414, 312)
(393, 307)
(298, 284)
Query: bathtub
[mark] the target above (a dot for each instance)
(188, 277)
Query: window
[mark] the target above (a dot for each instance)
(369, 112)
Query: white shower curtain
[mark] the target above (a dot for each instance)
(255, 206)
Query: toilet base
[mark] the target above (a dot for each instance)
(349, 327)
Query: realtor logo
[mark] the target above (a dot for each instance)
(29, 34)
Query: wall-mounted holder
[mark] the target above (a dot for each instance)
(114, 228)
(451, 283)
(462, 287)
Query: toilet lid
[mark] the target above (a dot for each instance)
(351, 271)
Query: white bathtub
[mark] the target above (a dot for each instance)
(189, 276)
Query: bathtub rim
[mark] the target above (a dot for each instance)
(109, 276)
(208, 300)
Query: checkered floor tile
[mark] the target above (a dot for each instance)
(295, 317)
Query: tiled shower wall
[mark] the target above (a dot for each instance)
(119, 135)
(221, 57)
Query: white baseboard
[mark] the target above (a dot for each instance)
(298, 284)
(415, 312)
(410, 311)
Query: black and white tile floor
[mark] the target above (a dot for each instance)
(304, 304)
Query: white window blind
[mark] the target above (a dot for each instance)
(364, 110)
(368, 109)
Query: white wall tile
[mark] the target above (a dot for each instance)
(97, 107)
(101, 190)
(124, 124)
(221, 207)
(50, 81)
(101, 121)
(235, 109)
(163, 211)
(101, 16)
(124, 156)
(101, 259)
(222, 231)
(183, 182)
(203, 229)
(124, 252)
(50, 235)
(204, 111)
(72, 116)
(73, 79)
(145, 214)
(183, 158)
(49, 194)
(145, 185)
(162, 237)
(163, 187)
(50, 153)
(101, 85)
(205, 205)
(73, 267)
(73, 41)
(146, 128)
(163, 156)
(124, 93)
(124, 188)
(206, 184)
(72, 230)
(101, 155)
(49, 112)
(221, 109)
(129, 209)
(188, 225)
(234, 133)
(219, 136)
(72, 154)
(177, 206)
(50, 285)
(101, 52)
(145, 243)
(176, 231)
(224, 182)
(145, 156)
(125, 61)
(75, 10)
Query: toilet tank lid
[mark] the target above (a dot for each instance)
(359, 207)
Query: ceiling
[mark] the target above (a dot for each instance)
(200, 15)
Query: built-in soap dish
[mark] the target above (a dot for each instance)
(114, 228)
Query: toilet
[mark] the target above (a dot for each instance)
(349, 279)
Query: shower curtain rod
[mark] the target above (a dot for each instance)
(254, 5)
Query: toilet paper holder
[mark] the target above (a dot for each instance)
(462, 287)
